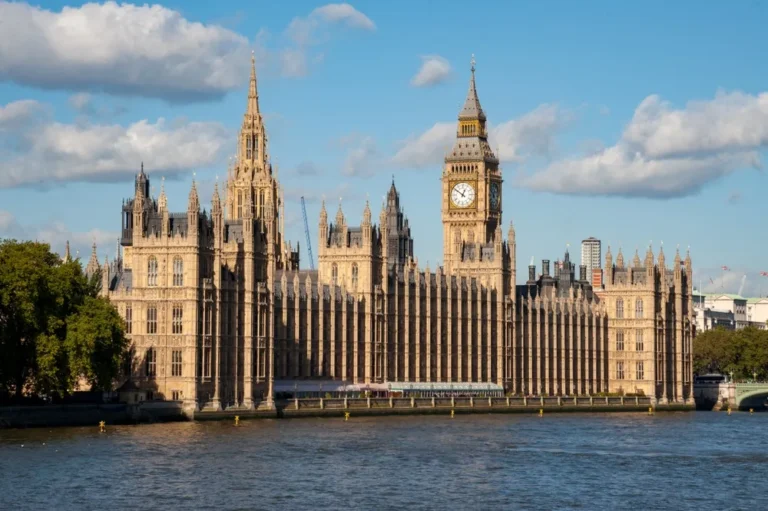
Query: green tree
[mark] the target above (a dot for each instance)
(96, 343)
(741, 352)
(41, 298)
(26, 302)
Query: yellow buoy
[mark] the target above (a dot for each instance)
(541, 412)
(102, 427)
(346, 416)
(237, 420)
(729, 410)
(452, 412)
(751, 411)
(650, 410)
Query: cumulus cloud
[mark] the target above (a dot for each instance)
(57, 234)
(666, 153)
(50, 152)
(615, 171)
(126, 49)
(434, 69)
(516, 140)
(17, 114)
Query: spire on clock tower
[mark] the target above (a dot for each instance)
(472, 108)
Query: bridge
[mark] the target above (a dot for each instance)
(751, 395)
(739, 396)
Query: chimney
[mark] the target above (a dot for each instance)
(583, 272)
(532, 273)
(545, 267)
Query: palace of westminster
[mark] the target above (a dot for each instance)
(220, 316)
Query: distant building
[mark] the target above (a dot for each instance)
(757, 311)
(590, 256)
(729, 311)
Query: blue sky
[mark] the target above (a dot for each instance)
(629, 122)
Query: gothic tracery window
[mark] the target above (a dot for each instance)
(639, 308)
(619, 308)
(354, 276)
(178, 271)
(334, 273)
(152, 272)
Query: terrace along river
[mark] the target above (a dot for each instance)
(703, 460)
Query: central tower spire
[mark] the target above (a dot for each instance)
(253, 94)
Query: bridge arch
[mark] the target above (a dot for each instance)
(751, 395)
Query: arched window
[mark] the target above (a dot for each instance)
(178, 271)
(639, 308)
(639, 345)
(639, 371)
(619, 308)
(152, 272)
(334, 273)
(261, 204)
(248, 147)
(150, 362)
(619, 340)
(239, 204)
(354, 276)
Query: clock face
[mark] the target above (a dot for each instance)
(463, 195)
(495, 196)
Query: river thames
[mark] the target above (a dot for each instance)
(702, 460)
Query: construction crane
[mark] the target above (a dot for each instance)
(306, 233)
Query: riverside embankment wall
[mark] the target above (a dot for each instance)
(168, 411)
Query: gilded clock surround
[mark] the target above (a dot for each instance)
(472, 205)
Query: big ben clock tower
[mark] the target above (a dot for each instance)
(471, 205)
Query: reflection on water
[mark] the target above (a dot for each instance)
(611, 461)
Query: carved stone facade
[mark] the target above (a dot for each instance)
(218, 311)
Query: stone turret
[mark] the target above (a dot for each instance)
(620, 260)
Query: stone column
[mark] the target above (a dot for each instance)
(321, 338)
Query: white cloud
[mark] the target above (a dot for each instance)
(667, 153)
(57, 234)
(428, 148)
(344, 13)
(121, 49)
(81, 103)
(434, 69)
(310, 31)
(533, 133)
(615, 171)
(729, 122)
(515, 140)
(15, 115)
(361, 158)
(52, 152)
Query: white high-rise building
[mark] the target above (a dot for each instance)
(590, 256)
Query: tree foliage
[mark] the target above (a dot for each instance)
(742, 352)
(41, 297)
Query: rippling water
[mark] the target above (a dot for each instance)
(702, 460)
